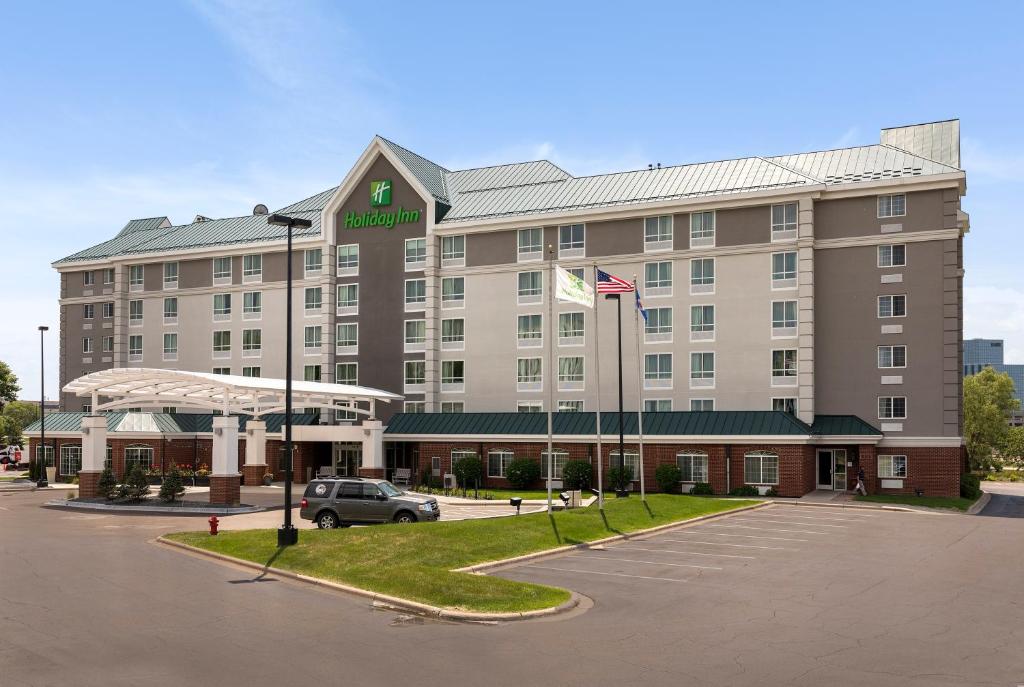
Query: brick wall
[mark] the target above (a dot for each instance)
(935, 470)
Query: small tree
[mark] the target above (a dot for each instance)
(1013, 446)
(668, 478)
(9, 387)
(467, 470)
(135, 487)
(522, 472)
(17, 415)
(576, 474)
(620, 478)
(988, 401)
(172, 486)
(107, 486)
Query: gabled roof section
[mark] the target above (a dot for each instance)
(864, 163)
(430, 174)
(842, 425)
(145, 225)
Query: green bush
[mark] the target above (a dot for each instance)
(668, 478)
(745, 490)
(620, 477)
(468, 471)
(522, 472)
(702, 489)
(172, 486)
(773, 492)
(33, 470)
(107, 486)
(576, 474)
(135, 487)
(970, 486)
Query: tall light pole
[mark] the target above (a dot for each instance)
(41, 461)
(287, 534)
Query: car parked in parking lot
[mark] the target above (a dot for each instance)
(344, 501)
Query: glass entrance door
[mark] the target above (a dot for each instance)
(824, 469)
(347, 457)
(839, 469)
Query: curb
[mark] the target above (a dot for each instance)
(60, 504)
(980, 504)
(383, 599)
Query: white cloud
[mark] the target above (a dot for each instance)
(996, 313)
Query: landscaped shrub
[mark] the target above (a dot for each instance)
(702, 489)
(619, 478)
(668, 477)
(772, 492)
(172, 486)
(745, 490)
(576, 474)
(522, 472)
(107, 486)
(970, 486)
(135, 487)
(468, 471)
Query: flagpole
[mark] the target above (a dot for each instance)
(597, 381)
(551, 375)
(640, 388)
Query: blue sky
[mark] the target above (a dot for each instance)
(118, 110)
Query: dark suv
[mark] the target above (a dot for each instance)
(344, 501)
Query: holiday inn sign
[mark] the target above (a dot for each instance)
(380, 196)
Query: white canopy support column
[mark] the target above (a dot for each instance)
(94, 455)
(255, 453)
(373, 450)
(225, 479)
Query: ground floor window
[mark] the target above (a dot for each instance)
(108, 460)
(761, 467)
(892, 467)
(70, 460)
(497, 462)
(460, 454)
(631, 462)
(138, 455)
(694, 466)
(46, 451)
(560, 458)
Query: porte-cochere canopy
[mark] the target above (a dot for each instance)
(256, 396)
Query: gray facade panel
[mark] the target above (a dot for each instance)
(195, 274)
(616, 237)
(858, 216)
(743, 226)
(496, 248)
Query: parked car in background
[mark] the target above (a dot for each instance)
(11, 456)
(342, 501)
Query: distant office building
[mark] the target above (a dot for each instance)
(982, 353)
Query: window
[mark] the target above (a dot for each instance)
(529, 407)
(70, 460)
(783, 221)
(453, 292)
(892, 467)
(570, 329)
(108, 310)
(700, 405)
(658, 371)
(252, 268)
(786, 405)
(170, 275)
(892, 408)
(88, 278)
(346, 373)
(761, 467)
(222, 370)
(252, 342)
(784, 270)
(657, 405)
(108, 344)
(222, 270)
(528, 374)
(415, 335)
(571, 240)
(314, 298)
(348, 260)
(311, 373)
(497, 462)
(138, 455)
(892, 306)
(314, 261)
(702, 275)
(893, 205)
(47, 452)
(415, 294)
(453, 334)
(136, 277)
(531, 287)
(87, 345)
(251, 371)
(171, 310)
(658, 328)
(348, 299)
(702, 370)
(461, 454)
(630, 461)
(570, 372)
(453, 251)
(252, 305)
(530, 246)
(530, 331)
(559, 458)
(453, 406)
(415, 254)
(87, 408)
(570, 406)
(135, 347)
(88, 311)
(221, 307)
(892, 356)
(170, 346)
(892, 255)
(784, 366)
(108, 276)
(415, 372)
(658, 279)
(702, 229)
(416, 407)
(347, 339)
(783, 318)
(702, 323)
(135, 313)
(658, 233)
(694, 466)
(453, 374)
(222, 344)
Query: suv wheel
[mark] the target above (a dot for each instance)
(404, 517)
(327, 520)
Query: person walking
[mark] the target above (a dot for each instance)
(860, 489)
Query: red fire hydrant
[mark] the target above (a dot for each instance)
(213, 524)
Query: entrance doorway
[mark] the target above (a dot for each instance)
(347, 458)
(831, 469)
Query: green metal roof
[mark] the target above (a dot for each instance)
(165, 423)
(842, 425)
(145, 225)
(717, 423)
(430, 174)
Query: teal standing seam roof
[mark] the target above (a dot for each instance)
(842, 425)
(166, 423)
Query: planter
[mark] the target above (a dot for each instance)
(201, 481)
(51, 474)
(153, 480)
(268, 480)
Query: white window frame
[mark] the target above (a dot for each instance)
(892, 306)
(888, 466)
(536, 250)
(892, 408)
(568, 382)
(568, 405)
(450, 382)
(781, 280)
(89, 311)
(109, 274)
(221, 351)
(347, 305)
(415, 407)
(891, 348)
(135, 352)
(578, 336)
(223, 313)
(703, 331)
(696, 464)
(572, 248)
(418, 342)
(630, 459)
(419, 383)
(659, 289)
(104, 341)
(170, 353)
(701, 285)
(452, 303)
(452, 255)
(504, 456)
(888, 199)
(761, 457)
(701, 402)
(560, 456)
(659, 378)
(450, 341)
(532, 295)
(785, 375)
(135, 319)
(252, 268)
(354, 381)
(453, 407)
(419, 303)
(136, 277)
(702, 379)
(107, 310)
(70, 456)
(89, 278)
(170, 319)
(529, 406)
(315, 268)
(659, 332)
(420, 260)
(346, 348)
(350, 267)
(525, 380)
(782, 329)
(784, 399)
(891, 255)
(699, 237)
(319, 304)
(536, 337)
(221, 277)
(312, 339)
(252, 305)
(171, 283)
(253, 371)
(661, 240)
(785, 230)
(87, 345)
(655, 403)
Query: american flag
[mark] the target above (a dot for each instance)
(607, 283)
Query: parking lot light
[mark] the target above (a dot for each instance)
(41, 482)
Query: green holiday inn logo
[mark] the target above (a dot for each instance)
(380, 193)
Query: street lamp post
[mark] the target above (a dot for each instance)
(41, 481)
(287, 534)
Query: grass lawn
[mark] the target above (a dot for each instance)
(11, 476)
(415, 561)
(958, 503)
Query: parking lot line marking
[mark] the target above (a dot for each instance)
(748, 536)
(630, 560)
(809, 517)
(722, 543)
(595, 572)
(767, 529)
(693, 553)
(844, 513)
(786, 522)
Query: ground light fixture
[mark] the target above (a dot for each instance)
(565, 496)
(287, 535)
(516, 502)
(41, 482)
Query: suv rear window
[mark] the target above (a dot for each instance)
(318, 490)
(350, 490)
